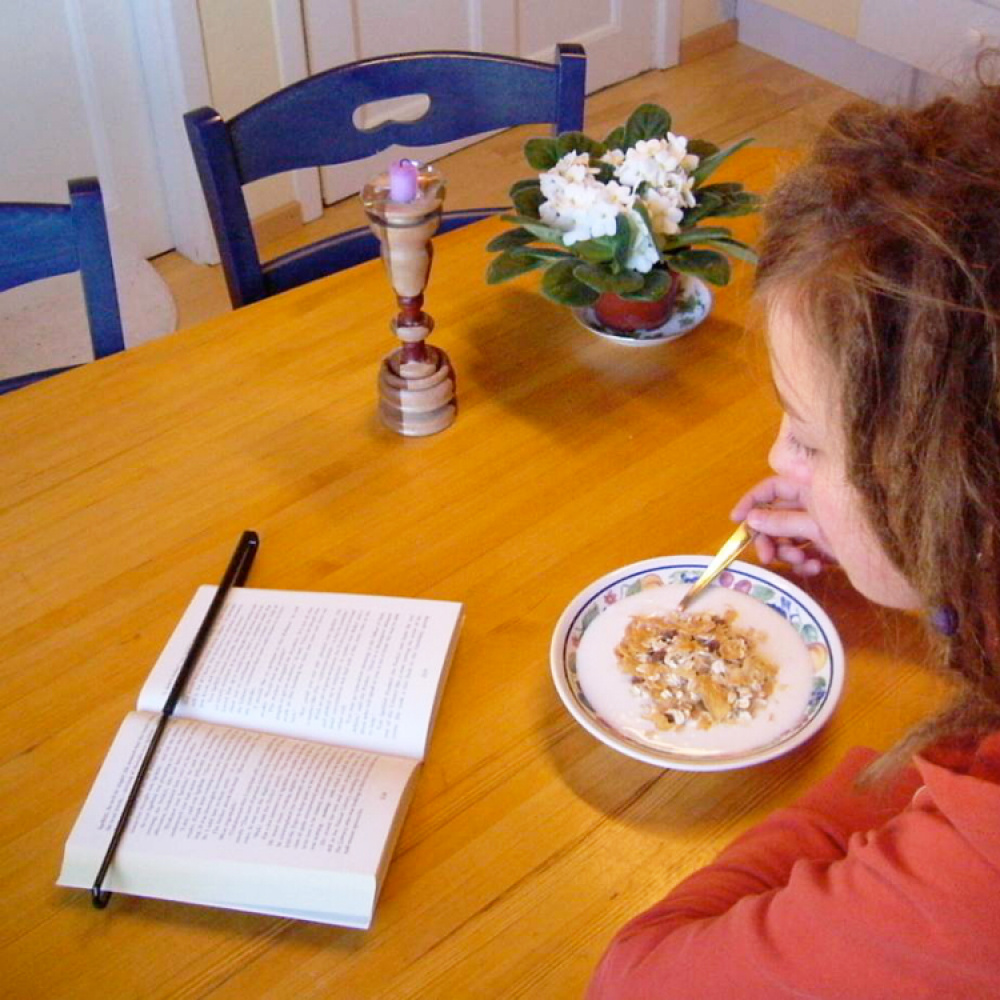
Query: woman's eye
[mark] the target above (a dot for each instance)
(799, 448)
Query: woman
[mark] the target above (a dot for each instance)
(880, 275)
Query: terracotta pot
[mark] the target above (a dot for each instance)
(630, 315)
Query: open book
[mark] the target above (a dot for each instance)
(280, 784)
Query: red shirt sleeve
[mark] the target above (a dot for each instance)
(841, 895)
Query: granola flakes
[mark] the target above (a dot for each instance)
(696, 668)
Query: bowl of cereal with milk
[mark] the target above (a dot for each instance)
(750, 670)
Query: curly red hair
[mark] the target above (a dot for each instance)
(886, 244)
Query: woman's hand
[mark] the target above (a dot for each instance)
(775, 508)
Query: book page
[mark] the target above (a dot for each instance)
(359, 671)
(240, 819)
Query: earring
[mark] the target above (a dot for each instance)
(945, 620)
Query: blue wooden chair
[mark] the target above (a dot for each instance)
(43, 240)
(309, 124)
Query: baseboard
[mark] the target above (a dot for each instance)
(704, 43)
(277, 223)
(827, 54)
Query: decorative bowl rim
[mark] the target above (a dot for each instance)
(828, 684)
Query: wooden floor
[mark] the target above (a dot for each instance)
(722, 97)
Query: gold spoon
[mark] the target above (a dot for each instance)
(731, 548)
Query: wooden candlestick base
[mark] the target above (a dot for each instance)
(417, 398)
(416, 382)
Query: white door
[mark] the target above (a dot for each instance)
(74, 104)
(622, 39)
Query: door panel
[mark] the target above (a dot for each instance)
(74, 104)
(386, 26)
(542, 23)
(617, 34)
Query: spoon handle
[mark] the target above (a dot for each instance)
(731, 548)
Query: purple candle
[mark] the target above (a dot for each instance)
(403, 181)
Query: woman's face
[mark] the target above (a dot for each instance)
(810, 451)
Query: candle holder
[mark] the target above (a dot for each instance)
(416, 381)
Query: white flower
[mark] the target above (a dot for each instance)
(613, 156)
(579, 205)
(666, 209)
(582, 208)
(573, 168)
(659, 162)
(643, 255)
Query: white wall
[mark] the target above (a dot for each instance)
(700, 15)
(825, 53)
(888, 50)
(840, 16)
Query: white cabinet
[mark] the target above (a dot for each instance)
(939, 36)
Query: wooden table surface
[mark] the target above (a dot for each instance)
(125, 484)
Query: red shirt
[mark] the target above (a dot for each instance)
(873, 896)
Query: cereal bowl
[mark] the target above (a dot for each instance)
(800, 639)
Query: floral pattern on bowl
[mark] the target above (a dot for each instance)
(694, 303)
(797, 608)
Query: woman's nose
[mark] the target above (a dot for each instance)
(778, 457)
(785, 459)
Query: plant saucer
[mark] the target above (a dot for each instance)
(694, 303)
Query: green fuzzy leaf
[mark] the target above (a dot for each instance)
(744, 203)
(701, 148)
(648, 121)
(604, 281)
(547, 234)
(623, 239)
(711, 163)
(710, 265)
(655, 285)
(527, 201)
(643, 213)
(605, 173)
(726, 188)
(541, 153)
(540, 253)
(511, 238)
(597, 251)
(530, 182)
(692, 236)
(615, 139)
(507, 266)
(560, 285)
(734, 248)
(570, 142)
(705, 208)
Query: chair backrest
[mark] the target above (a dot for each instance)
(44, 240)
(311, 124)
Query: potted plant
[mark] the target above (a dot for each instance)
(615, 223)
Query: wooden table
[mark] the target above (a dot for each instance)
(126, 483)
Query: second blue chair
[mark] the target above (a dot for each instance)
(42, 240)
(310, 124)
